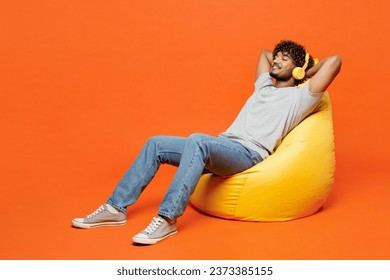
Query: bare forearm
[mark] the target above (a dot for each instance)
(323, 73)
(265, 62)
(335, 59)
(268, 55)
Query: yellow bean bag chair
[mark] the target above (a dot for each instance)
(292, 183)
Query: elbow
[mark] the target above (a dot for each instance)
(266, 51)
(337, 61)
(267, 54)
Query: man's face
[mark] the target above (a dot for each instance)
(282, 67)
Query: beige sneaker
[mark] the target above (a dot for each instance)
(156, 231)
(100, 218)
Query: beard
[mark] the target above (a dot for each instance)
(281, 77)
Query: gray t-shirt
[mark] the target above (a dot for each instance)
(269, 114)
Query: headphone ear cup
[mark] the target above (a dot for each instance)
(298, 73)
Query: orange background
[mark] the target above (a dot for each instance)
(85, 83)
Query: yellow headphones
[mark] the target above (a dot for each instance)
(299, 72)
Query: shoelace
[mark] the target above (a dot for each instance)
(97, 212)
(154, 225)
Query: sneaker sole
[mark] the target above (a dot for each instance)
(103, 224)
(147, 241)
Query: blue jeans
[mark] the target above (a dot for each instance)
(194, 156)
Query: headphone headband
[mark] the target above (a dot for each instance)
(307, 56)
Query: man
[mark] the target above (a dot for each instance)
(275, 107)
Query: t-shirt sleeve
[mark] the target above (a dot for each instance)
(309, 101)
(263, 80)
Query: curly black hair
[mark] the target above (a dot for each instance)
(296, 51)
